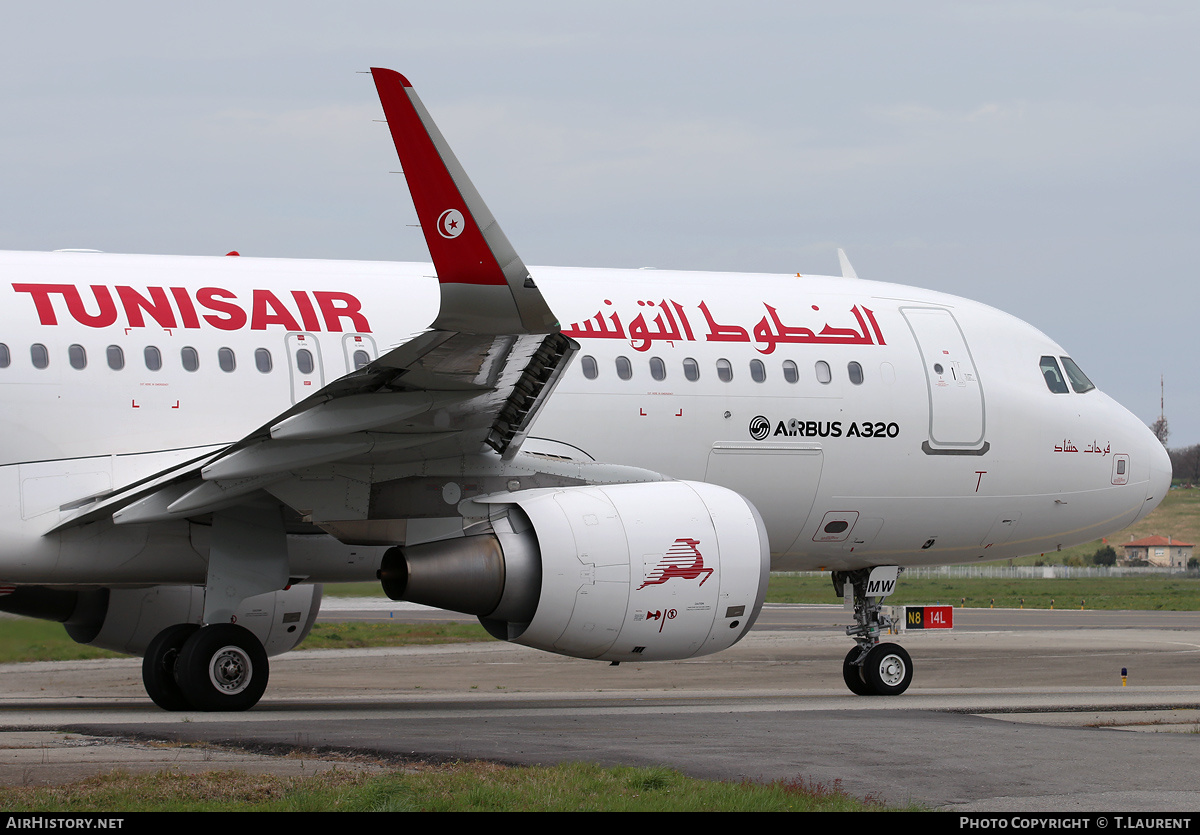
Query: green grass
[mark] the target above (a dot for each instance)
(350, 635)
(577, 787)
(23, 639)
(1166, 593)
(354, 590)
(1178, 517)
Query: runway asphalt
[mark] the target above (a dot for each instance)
(1011, 711)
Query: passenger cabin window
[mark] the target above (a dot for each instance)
(824, 375)
(116, 357)
(190, 358)
(304, 361)
(1079, 380)
(226, 360)
(1052, 376)
(691, 370)
(153, 358)
(5, 357)
(262, 360)
(790, 372)
(77, 356)
(658, 368)
(361, 358)
(855, 372)
(758, 371)
(590, 369)
(624, 368)
(38, 355)
(724, 371)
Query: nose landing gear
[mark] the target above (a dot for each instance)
(872, 668)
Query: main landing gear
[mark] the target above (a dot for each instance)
(872, 668)
(222, 667)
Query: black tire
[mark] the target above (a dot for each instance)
(852, 675)
(222, 667)
(158, 666)
(888, 669)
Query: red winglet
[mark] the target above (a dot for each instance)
(467, 245)
(451, 229)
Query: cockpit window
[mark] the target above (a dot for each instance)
(1079, 380)
(1053, 377)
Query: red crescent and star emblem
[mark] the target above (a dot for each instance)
(451, 223)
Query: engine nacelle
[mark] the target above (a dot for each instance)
(126, 620)
(652, 572)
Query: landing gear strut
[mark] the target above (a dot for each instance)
(222, 666)
(872, 668)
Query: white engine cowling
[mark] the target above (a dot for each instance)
(127, 620)
(654, 571)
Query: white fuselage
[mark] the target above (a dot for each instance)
(883, 460)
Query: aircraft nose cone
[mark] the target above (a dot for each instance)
(1160, 475)
(1159, 481)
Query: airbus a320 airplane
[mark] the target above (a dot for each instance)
(603, 464)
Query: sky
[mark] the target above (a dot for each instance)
(1040, 157)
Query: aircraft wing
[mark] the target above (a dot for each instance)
(470, 384)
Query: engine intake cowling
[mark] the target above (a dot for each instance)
(654, 571)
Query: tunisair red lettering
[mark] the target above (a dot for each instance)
(209, 298)
(187, 310)
(307, 314)
(158, 306)
(107, 309)
(41, 299)
(328, 302)
(217, 307)
(277, 314)
(41, 293)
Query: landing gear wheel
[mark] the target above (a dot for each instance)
(222, 667)
(853, 675)
(158, 666)
(887, 669)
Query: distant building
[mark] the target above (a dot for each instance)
(1159, 550)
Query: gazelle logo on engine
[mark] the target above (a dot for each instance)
(760, 427)
(683, 560)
